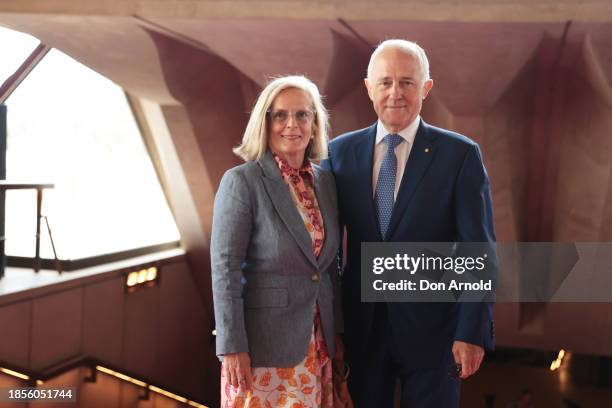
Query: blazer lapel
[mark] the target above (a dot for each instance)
(364, 163)
(421, 156)
(285, 207)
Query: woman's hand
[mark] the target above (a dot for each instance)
(237, 370)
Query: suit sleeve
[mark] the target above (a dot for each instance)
(231, 231)
(326, 163)
(474, 223)
(335, 268)
(336, 273)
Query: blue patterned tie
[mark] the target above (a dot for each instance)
(385, 186)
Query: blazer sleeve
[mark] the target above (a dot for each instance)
(231, 232)
(474, 223)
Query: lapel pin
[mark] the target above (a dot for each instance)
(427, 150)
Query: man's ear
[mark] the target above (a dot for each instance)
(427, 87)
(368, 87)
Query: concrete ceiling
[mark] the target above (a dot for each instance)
(423, 10)
(114, 37)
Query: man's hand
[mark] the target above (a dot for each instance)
(237, 370)
(469, 356)
(339, 348)
(342, 397)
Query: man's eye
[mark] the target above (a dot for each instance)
(406, 83)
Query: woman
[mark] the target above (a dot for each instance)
(274, 241)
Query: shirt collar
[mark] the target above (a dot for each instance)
(288, 171)
(408, 133)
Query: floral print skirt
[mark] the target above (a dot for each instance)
(307, 385)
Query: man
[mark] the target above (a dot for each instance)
(402, 180)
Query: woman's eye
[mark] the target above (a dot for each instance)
(280, 116)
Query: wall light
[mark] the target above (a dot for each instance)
(121, 376)
(151, 273)
(167, 394)
(142, 277)
(132, 279)
(14, 373)
(558, 361)
(153, 388)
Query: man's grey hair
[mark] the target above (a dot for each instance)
(408, 47)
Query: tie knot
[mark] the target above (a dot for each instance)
(393, 140)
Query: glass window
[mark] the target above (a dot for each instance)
(70, 126)
(15, 48)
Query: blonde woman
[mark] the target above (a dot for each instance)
(275, 236)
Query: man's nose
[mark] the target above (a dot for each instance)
(395, 90)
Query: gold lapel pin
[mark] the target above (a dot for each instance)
(427, 150)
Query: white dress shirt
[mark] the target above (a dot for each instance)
(402, 151)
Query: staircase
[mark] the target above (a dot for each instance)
(88, 383)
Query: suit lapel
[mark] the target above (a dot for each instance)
(285, 207)
(421, 156)
(364, 163)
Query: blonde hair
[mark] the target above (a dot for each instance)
(255, 139)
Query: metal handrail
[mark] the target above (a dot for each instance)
(68, 265)
(39, 187)
(90, 362)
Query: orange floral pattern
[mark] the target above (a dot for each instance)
(301, 187)
(309, 384)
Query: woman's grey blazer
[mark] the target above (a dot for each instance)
(265, 277)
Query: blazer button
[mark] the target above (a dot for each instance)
(315, 277)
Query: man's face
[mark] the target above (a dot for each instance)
(397, 88)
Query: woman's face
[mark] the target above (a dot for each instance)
(290, 119)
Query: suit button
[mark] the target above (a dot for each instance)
(315, 277)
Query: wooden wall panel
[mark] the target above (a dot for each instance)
(129, 397)
(15, 321)
(160, 401)
(182, 335)
(104, 393)
(56, 328)
(103, 320)
(141, 328)
(11, 382)
(70, 379)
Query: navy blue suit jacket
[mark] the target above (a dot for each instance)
(444, 196)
